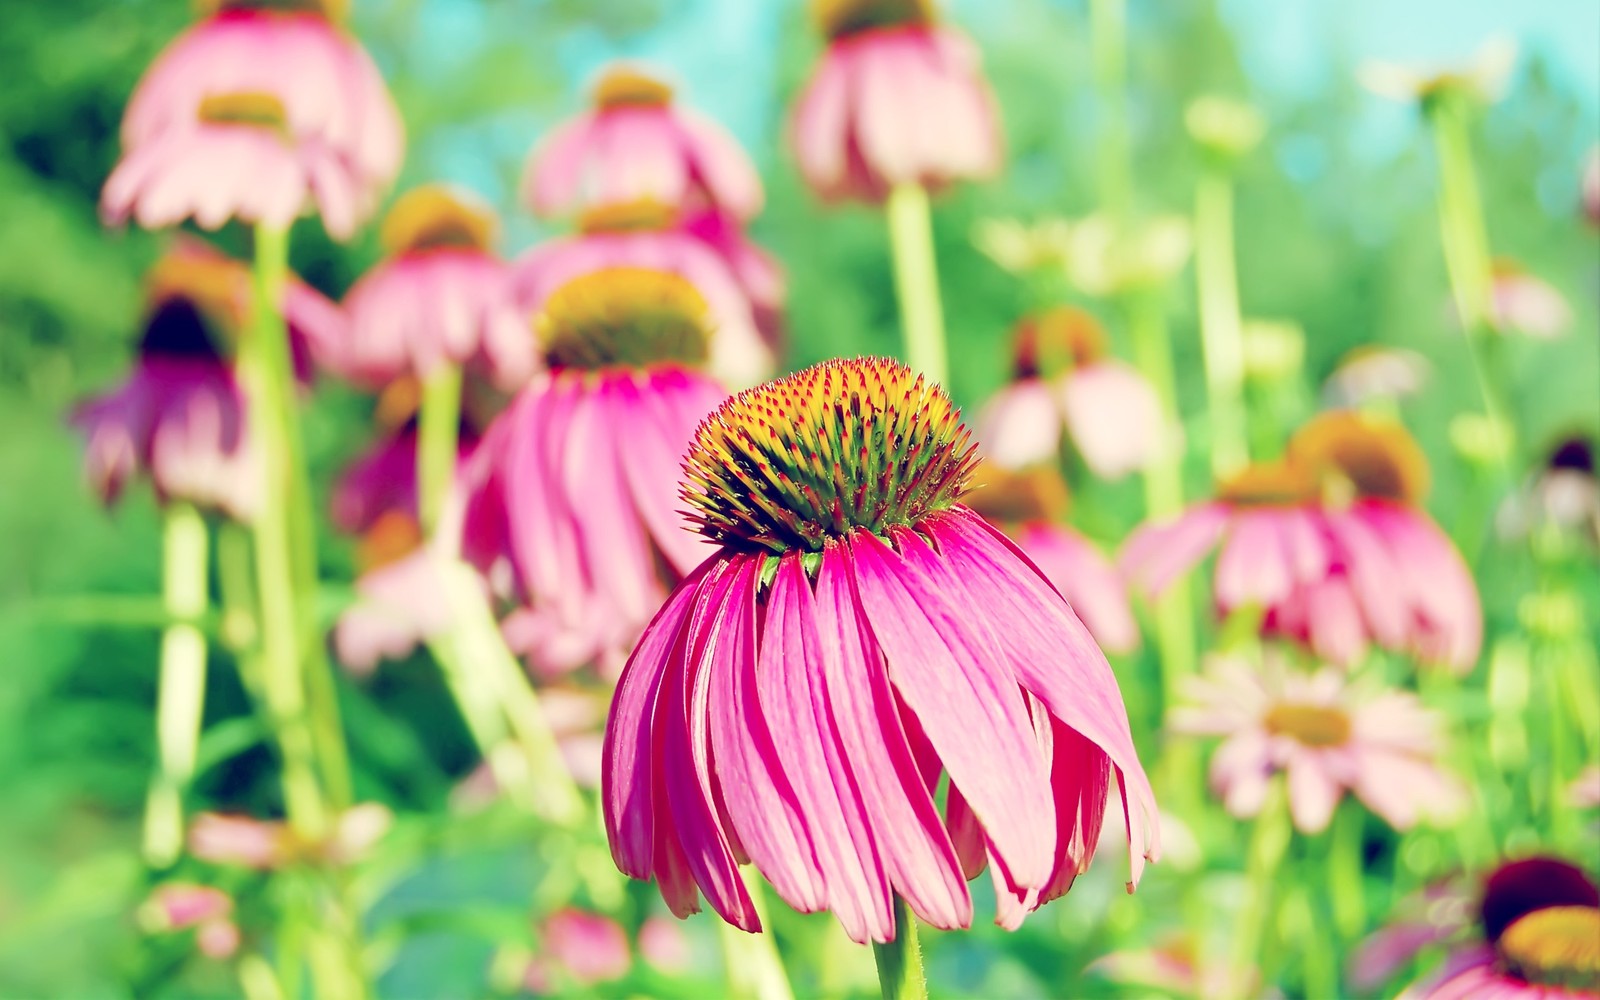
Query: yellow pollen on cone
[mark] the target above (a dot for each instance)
(644, 214)
(1037, 493)
(247, 107)
(1059, 339)
(1268, 484)
(1358, 455)
(838, 18)
(629, 86)
(1310, 725)
(1557, 946)
(436, 216)
(625, 316)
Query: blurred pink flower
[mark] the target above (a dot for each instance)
(895, 99)
(1029, 506)
(642, 235)
(577, 948)
(402, 596)
(759, 275)
(180, 906)
(240, 841)
(636, 143)
(833, 674)
(217, 129)
(384, 477)
(1325, 736)
(1527, 304)
(663, 944)
(575, 484)
(1066, 380)
(440, 297)
(1374, 372)
(1540, 919)
(179, 418)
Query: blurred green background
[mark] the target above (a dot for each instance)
(1336, 231)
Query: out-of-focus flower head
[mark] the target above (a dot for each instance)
(1591, 187)
(242, 841)
(1325, 736)
(1178, 964)
(1226, 128)
(181, 906)
(1564, 493)
(849, 575)
(1107, 258)
(1373, 374)
(439, 297)
(897, 98)
(577, 948)
(1023, 248)
(1524, 303)
(648, 235)
(1484, 78)
(1434, 914)
(574, 485)
(637, 143)
(758, 273)
(1540, 921)
(1067, 380)
(1274, 350)
(403, 595)
(218, 129)
(1029, 506)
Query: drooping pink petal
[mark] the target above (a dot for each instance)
(1086, 579)
(1114, 417)
(1020, 425)
(1158, 554)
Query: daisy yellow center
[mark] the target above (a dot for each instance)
(1267, 484)
(1556, 946)
(844, 446)
(1357, 456)
(1309, 725)
(392, 537)
(436, 216)
(627, 87)
(1034, 494)
(643, 215)
(1058, 340)
(838, 18)
(625, 316)
(249, 107)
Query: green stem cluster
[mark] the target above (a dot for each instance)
(1221, 333)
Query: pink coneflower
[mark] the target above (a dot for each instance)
(1425, 918)
(1064, 379)
(636, 143)
(402, 596)
(759, 275)
(179, 418)
(383, 478)
(1325, 736)
(1525, 303)
(181, 906)
(1372, 372)
(897, 98)
(440, 297)
(1540, 919)
(574, 484)
(217, 129)
(857, 633)
(1029, 506)
(577, 948)
(644, 235)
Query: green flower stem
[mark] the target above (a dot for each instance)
(1346, 871)
(438, 423)
(916, 280)
(1221, 330)
(754, 967)
(1108, 33)
(1466, 250)
(487, 724)
(238, 629)
(900, 974)
(1269, 841)
(181, 698)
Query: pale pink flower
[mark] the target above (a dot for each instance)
(636, 143)
(439, 297)
(663, 944)
(1373, 372)
(575, 484)
(1540, 921)
(220, 127)
(240, 841)
(858, 633)
(1524, 303)
(1066, 381)
(641, 235)
(577, 948)
(181, 906)
(1325, 736)
(759, 275)
(895, 99)
(403, 593)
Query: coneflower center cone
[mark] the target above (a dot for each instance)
(1556, 946)
(1309, 725)
(1268, 484)
(839, 18)
(1057, 340)
(245, 107)
(624, 86)
(625, 317)
(845, 446)
(436, 217)
(1356, 454)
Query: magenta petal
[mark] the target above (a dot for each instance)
(1052, 653)
(1158, 554)
(761, 803)
(805, 736)
(914, 848)
(627, 779)
(1252, 567)
(942, 663)
(684, 750)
